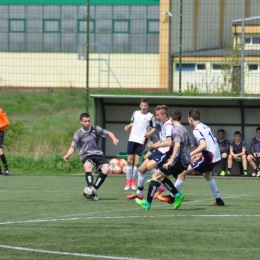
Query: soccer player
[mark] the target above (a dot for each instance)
(254, 157)
(86, 139)
(237, 152)
(224, 146)
(4, 122)
(140, 123)
(208, 145)
(179, 162)
(159, 156)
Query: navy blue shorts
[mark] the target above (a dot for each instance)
(173, 170)
(201, 166)
(135, 148)
(159, 158)
(97, 161)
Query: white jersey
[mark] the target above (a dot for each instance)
(141, 125)
(211, 153)
(166, 131)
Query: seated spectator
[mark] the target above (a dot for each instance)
(254, 157)
(238, 153)
(224, 147)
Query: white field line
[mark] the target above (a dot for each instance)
(68, 218)
(68, 253)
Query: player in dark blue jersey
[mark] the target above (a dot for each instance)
(224, 147)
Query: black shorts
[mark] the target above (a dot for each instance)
(2, 133)
(173, 170)
(97, 161)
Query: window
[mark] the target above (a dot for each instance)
(82, 26)
(253, 67)
(121, 26)
(153, 26)
(51, 25)
(252, 40)
(256, 40)
(191, 67)
(248, 40)
(17, 25)
(219, 66)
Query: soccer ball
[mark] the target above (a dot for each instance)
(117, 170)
(89, 192)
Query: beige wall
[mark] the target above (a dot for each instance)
(65, 70)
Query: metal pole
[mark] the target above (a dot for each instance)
(87, 57)
(243, 51)
(180, 57)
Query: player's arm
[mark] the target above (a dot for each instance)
(69, 153)
(128, 126)
(175, 150)
(112, 136)
(150, 132)
(167, 143)
(200, 148)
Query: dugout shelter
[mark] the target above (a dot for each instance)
(114, 112)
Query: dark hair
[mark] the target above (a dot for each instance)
(258, 128)
(84, 115)
(238, 133)
(144, 100)
(221, 131)
(176, 115)
(194, 114)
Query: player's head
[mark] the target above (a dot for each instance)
(85, 120)
(176, 115)
(221, 134)
(237, 136)
(193, 117)
(258, 132)
(161, 113)
(144, 105)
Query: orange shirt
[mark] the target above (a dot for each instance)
(4, 122)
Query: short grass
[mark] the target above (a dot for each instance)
(46, 217)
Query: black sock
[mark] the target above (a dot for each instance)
(89, 178)
(256, 171)
(169, 186)
(230, 169)
(100, 179)
(4, 161)
(0, 169)
(224, 164)
(152, 189)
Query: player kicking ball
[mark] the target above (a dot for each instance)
(178, 163)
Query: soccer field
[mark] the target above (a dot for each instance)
(46, 217)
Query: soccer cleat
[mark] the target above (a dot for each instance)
(143, 203)
(258, 174)
(6, 172)
(218, 203)
(95, 198)
(245, 173)
(158, 192)
(127, 184)
(133, 184)
(1, 173)
(222, 173)
(179, 197)
(254, 174)
(134, 196)
(228, 173)
(149, 180)
(167, 198)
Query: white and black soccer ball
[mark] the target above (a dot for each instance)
(89, 192)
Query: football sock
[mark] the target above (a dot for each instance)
(0, 169)
(151, 172)
(100, 179)
(129, 172)
(170, 186)
(256, 170)
(178, 184)
(141, 179)
(135, 172)
(89, 178)
(152, 189)
(214, 189)
(3, 158)
(224, 164)
(230, 169)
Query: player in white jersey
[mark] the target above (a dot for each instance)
(208, 145)
(158, 157)
(142, 126)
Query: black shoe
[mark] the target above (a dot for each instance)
(218, 203)
(1, 173)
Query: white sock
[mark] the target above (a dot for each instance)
(214, 188)
(129, 172)
(151, 172)
(140, 182)
(135, 172)
(178, 184)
